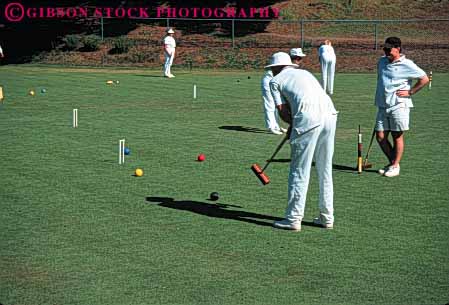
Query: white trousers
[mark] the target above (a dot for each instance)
(269, 107)
(327, 63)
(318, 143)
(168, 62)
(270, 114)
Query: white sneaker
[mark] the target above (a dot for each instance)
(322, 223)
(382, 170)
(283, 129)
(171, 75)
(287, 225)
(275, 131)
(392, 171)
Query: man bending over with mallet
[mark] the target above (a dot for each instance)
(304, 105)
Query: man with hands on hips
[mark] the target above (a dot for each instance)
(395, 74)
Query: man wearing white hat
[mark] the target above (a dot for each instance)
(169, 52)
(271, 120)
(302, 103)
(296, 55)
(327, 59)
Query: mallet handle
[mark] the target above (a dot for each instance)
(369, 147)
(287, 136)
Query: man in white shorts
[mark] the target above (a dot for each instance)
(393, 99)
(169, 52)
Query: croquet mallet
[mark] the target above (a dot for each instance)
(260, 172)
(365, 162)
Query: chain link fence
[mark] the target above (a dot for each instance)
(248, 43)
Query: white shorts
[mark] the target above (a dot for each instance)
(397, 120)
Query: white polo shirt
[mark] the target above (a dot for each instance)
(170, 42)
(394, 76)
(326, 51)
(308, 102)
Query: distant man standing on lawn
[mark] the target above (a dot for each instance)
(393, 99)
(169, 52)
(326, 55)
(304, 105)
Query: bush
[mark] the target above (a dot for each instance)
(72, 42)
(91, 43)
(122, 45)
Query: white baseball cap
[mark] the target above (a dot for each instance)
(280, 59)
(297, 52)
(170, 31)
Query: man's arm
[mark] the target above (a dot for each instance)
(285, 113)
(284, 109)
(421, 83)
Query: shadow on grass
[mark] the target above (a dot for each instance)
(280, 160)
(245, 129)
(352, 169)
(161, 75)
(216, 210)
(337, 167)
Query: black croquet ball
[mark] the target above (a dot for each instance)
(214, 196)
(249, 77)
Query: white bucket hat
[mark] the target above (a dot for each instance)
(297, 52)
(170, 31)
(280, 59)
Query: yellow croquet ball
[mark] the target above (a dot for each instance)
(31, 92)
(139, 172)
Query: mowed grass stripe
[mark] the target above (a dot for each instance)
(77, 228)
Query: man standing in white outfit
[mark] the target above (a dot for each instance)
(304, 105)
(169, 52)
(327, 59)
(394, 91)
(271, 116)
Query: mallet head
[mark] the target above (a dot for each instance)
(260, 174)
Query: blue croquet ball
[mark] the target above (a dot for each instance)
(43, 90)
(127, 151)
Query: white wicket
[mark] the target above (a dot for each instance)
(194, 92)
(75, 118)
(121, 151)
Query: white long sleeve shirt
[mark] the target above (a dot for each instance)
(308, 102)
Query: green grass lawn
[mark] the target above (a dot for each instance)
(78, 228)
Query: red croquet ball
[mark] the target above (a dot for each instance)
(201, 157)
